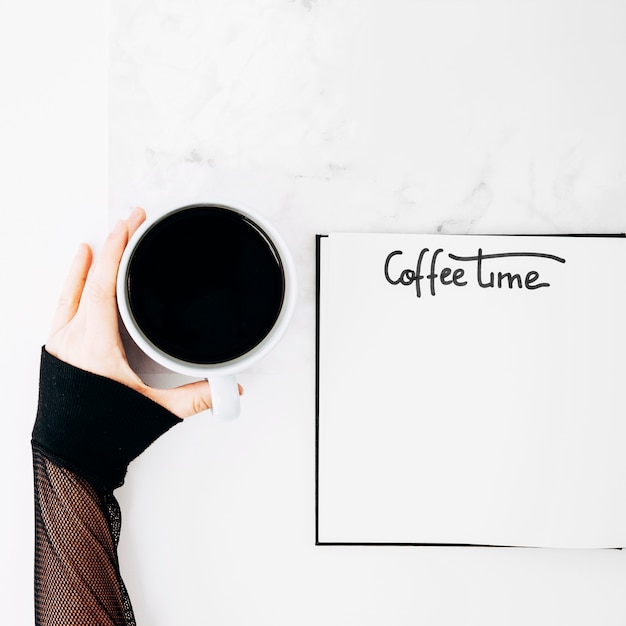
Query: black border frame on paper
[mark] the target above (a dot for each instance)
(318, 239)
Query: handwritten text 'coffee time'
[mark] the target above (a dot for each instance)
(457, 276)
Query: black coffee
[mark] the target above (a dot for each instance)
(205, 285)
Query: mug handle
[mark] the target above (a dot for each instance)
(224, 397)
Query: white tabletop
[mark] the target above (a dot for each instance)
(427, 116)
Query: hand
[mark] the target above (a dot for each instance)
(85, 330)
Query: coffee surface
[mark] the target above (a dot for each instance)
(205, 285)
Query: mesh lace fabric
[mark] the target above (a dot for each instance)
(87, 431)
(77, 528)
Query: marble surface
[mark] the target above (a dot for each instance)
(451, 116)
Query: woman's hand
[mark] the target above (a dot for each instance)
(85, 330)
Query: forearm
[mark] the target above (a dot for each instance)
(77, 578)
(88, 430)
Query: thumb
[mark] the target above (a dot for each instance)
(185, 400)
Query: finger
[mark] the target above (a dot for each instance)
(102, 279)
(134, 220)
(186, 400)
(102, 283)
(72, 289)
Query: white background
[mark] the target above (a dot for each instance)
(425, 116)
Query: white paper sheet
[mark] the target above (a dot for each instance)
(477, 415)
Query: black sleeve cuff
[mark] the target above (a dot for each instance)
(93, 425)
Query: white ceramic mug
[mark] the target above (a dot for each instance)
(221, 375)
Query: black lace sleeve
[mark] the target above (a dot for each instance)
(88, 429)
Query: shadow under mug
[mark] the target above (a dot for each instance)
(207, 290)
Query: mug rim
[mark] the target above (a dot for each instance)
(231, 366)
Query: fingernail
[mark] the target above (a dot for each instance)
(119, 227)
